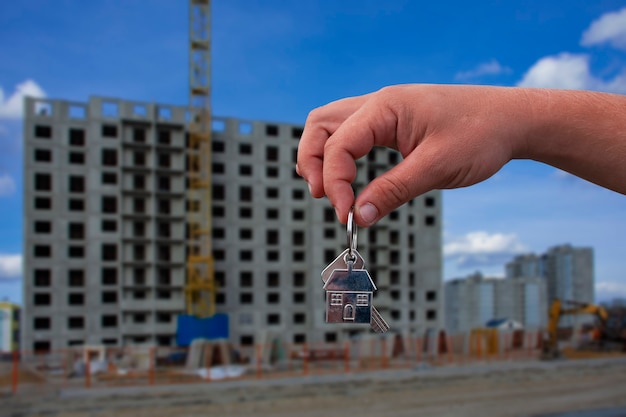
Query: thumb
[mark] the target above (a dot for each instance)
(411, 177)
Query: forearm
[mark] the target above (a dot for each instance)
(580, 132)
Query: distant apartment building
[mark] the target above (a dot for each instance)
(527, 265)
(473, 301)
(9, 327)
(105, 231)
(568, 272)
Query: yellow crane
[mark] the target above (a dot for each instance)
(200, 285)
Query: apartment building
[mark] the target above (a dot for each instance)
(105, 242)
(472, 301)
(9, 327)
(567, 270)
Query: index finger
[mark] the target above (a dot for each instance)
(371, 125)
(320, 125)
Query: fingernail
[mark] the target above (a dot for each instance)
(368, 213)
(309, 185)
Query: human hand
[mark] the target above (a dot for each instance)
(449, 137)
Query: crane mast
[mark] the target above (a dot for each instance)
(200, 285)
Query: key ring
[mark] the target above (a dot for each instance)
(352, 234)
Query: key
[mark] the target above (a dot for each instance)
(349, 295)
(355, 282)
(377, 323)
(341, 262)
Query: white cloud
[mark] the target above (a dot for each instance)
(11, 107)
(609, 28)
(10, 266)
(571, 72)
(482, 248)
(7, 185)
(568, 71)
(607, 291)
(483, 242)
(492, 67)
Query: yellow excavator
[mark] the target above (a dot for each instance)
(550, 349)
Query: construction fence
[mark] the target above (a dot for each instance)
(207, 361)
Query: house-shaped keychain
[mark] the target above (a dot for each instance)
(349, 295)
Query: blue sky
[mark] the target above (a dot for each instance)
(277, 60)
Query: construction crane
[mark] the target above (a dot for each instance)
(200, 285)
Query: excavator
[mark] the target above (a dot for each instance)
(607, 328)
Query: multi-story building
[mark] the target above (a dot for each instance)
(469, 303)
(9, 327)
(568, 271)
(105, 245)
(523, 300)
(528, 265)
(473, 301)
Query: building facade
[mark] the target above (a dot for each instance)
(568, 272)
(105, 244)
(9, 327)
(471, 302)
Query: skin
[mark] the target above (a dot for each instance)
(453, 136)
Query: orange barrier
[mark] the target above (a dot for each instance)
(102, 366)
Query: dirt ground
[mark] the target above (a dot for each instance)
(505, 389)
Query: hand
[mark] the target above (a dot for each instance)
(449, 137)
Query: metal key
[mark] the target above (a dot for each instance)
(377, 323)
(349, 296)
(341, 262)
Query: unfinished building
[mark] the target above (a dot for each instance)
(105, 231)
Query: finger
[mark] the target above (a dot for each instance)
(320, 125)
(432, 165)
(393, 188)
(371, 125)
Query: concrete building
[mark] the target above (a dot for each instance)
(469, 303)
(105, 203)
(472, 302)
(9, 327)
(528, 265)
(568, 272)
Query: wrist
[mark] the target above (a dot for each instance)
(530, 114)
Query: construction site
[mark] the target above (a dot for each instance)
(371, 377)
(492, 371)
(190, 262)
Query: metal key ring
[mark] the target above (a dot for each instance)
(352, 233)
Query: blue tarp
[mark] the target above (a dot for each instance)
(191, 327)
